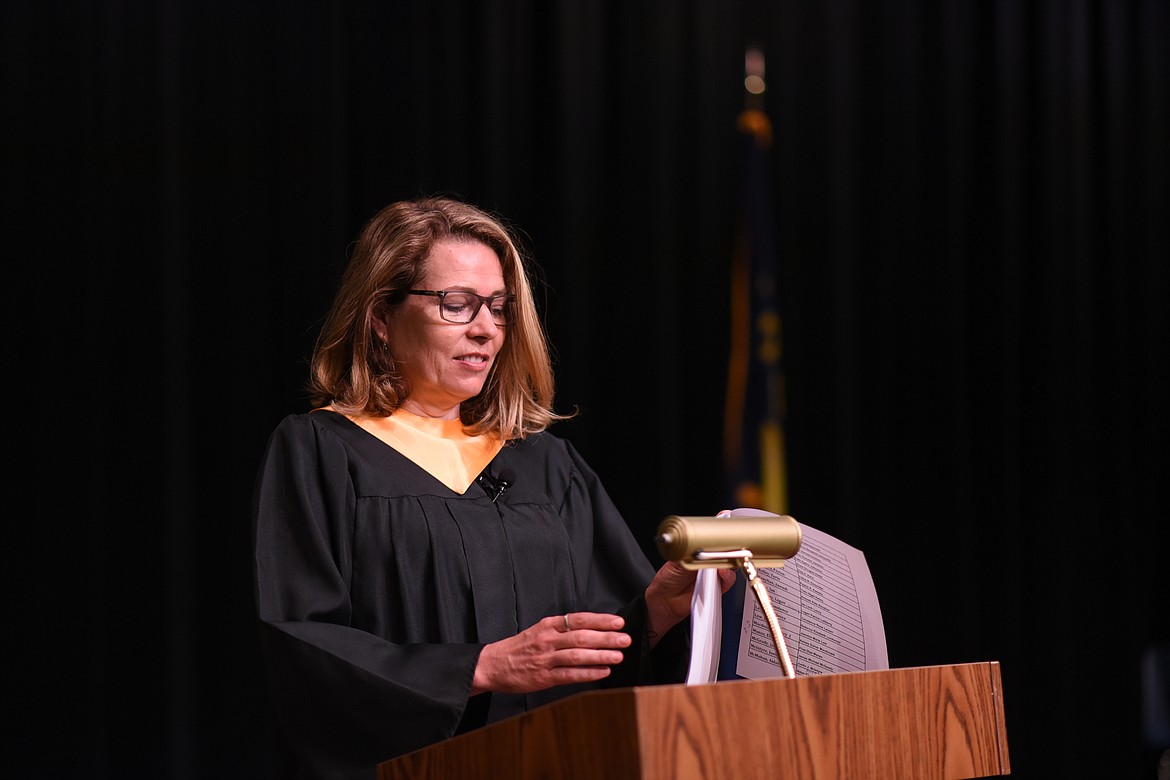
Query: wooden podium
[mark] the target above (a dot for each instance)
(933, 722)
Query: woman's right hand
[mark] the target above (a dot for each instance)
(574, 648)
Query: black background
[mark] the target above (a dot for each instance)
(971, 204)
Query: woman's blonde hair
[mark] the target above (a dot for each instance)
(355, 372)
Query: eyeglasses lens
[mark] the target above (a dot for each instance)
(463, 307)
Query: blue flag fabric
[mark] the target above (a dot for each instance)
(754, 419)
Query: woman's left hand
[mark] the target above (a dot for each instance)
(668, 597)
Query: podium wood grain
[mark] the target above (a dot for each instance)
(936, 722)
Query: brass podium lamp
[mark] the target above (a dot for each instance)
(738, 542)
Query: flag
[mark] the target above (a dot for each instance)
(754, 417)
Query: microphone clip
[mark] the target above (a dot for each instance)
(494, 486)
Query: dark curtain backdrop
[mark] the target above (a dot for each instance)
(971, 203)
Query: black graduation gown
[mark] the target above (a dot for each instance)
(377, 586)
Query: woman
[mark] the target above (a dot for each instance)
(428, 559)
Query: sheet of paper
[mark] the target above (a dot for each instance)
(706, 628)
(828, 609)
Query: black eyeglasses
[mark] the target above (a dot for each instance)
(461, 307)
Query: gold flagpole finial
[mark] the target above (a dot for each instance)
(753, 120)
(754, 84)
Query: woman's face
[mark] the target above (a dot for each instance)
(446, 363)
